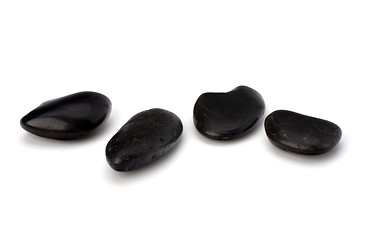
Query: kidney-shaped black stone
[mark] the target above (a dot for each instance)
(302, 134)
(228, 115)
(70, 117)
(144, 138)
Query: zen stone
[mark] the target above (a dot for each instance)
(70, 117)
(223, 116)
(144, 138)
(302, 134)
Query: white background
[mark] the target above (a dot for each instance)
(306, 56)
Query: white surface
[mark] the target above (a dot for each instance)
(306, 56)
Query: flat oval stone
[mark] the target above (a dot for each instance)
(223, 116)
(144, 138)
(70, 117)
(302, 134)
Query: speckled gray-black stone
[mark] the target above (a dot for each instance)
(229, 115)
(70, 117)
(144, 138)
(302, 134)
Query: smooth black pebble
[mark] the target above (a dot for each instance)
(144, 138)
(70, 117)
(223, 116)
(302, 134)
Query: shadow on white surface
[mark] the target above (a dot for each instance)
(325, 158)
(147, 171)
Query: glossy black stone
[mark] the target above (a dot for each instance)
(223, 116)
(70, 117)
(144, 138)
(302, 134)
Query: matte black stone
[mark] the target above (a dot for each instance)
(302, 134)
(144, 138)
(70, 117)
(223, 116)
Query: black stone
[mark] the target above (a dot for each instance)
(223, 116)
(302, 134)
(144, 138)
(70, 117)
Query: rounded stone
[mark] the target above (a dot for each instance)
(294, 132)
(223, 116)
(70, 117)
(146, 137)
